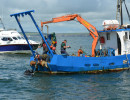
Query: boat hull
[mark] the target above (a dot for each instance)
(17, 48)
(73, 64)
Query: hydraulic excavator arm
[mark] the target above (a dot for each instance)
(91, 28)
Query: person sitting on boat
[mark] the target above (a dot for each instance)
(63, 48)
(42, 59)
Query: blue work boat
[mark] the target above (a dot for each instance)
(114, 41)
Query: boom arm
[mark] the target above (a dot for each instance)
(91, 28)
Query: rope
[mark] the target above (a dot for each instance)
(127, 10)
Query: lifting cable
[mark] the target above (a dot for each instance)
(127, 10)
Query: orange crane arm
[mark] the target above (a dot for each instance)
(91, 28)
(60, 19)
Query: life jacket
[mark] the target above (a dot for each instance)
(53, 48)
(44, 45)
(80, 52)
(54, 42)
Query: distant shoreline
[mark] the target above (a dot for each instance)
(59, 34)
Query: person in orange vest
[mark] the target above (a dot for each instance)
(80, 51)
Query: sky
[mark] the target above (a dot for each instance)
(93, 11)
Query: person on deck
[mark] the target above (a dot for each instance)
(54, 40)
(43, 44)
(63, 48)
(80, 51)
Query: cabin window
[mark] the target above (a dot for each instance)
(108, 36)
(126, 35)
(19, 37)
(15, 38)
(22, 37)
(10, 39)
(6, 39)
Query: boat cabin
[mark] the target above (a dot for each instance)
(10, 36)
(116, 40)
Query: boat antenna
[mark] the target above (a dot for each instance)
(119, 13)
(119, 16)
(2, 23)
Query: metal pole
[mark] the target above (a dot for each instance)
(121, 13)
(24, 35)
(47, 29)
(40, 33)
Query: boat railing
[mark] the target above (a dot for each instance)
(105, 52)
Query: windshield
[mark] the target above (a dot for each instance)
(19, 37)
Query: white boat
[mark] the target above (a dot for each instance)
(13, 42)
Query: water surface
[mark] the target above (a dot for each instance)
(14, 85)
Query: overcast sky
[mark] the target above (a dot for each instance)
(93, 11)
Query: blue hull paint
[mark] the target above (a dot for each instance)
(17, 47)
(72, 64)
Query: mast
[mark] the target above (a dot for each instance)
(119, 14)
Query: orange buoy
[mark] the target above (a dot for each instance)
(53, 48)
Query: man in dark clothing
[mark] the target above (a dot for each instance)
(63, 48)
(45, 49)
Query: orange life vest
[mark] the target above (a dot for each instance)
(80, 52)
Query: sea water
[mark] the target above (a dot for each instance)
(14, 85)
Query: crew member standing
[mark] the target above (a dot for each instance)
(63, 48)
(43, 44)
